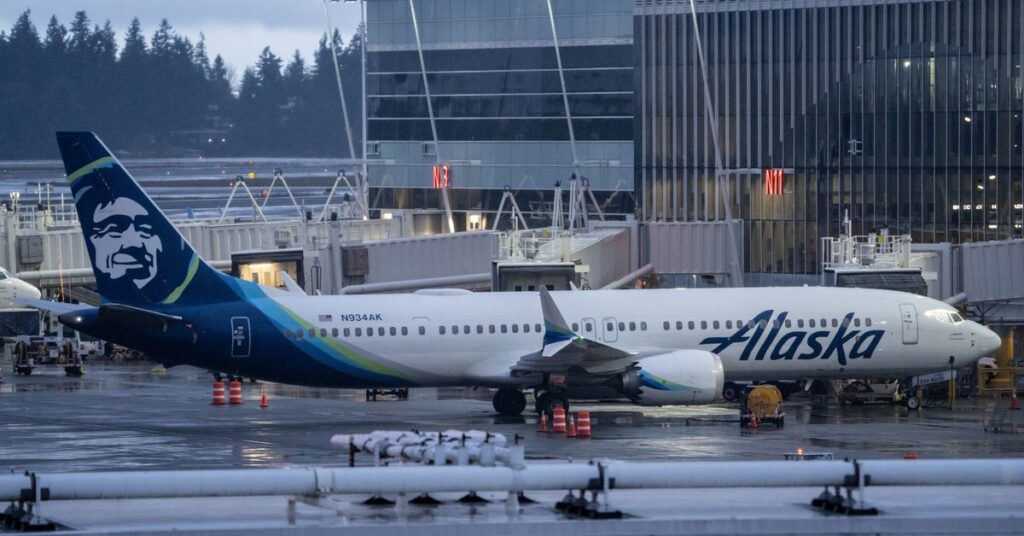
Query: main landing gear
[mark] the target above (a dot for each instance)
(509, 401)
(549, 400)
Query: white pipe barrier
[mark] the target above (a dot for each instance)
(539, 476)
(629, 278)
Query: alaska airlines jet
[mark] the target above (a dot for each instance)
(653, 347)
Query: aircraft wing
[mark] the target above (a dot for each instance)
(563, 348)
(51, 306)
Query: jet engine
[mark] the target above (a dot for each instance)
(674, 378)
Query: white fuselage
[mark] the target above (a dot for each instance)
(759, 333)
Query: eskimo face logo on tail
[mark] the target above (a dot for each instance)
(121, 234)
(762, 339)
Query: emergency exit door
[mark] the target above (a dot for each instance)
(908, 318)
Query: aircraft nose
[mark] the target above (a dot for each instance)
(988, 341)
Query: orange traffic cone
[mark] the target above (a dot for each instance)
(263, 400)
(753, 421)
(558, 420)
(583, 424)
(1013, 400)
(910, 456)
(235, 392)
(218, 393)
(543, 428)
(572, 427)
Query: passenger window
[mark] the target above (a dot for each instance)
(359, 332)
(536, 327)
(789, 323)
(298, 334)
(465, 329)
(703, 324)
(347, 332)
(811, 322)
(455, 330)
(440, 330)
(504, 328)
(287, 333)
(312, 332)
(800, 322)
(679, 324)
(423, 330)
(589, 326)
(632, 326)
(515, 328)
(739, 324)
(762, 324)
(323, 332)
(334, 332)
(690, 324)
(835, 323)
(824, 323)
(479, 329)
(369, 332)
(575, 326)
(856, 322)
(526, 328)
(643, 326)
(393, 331)
(867, 322)
(610, 327)
(405, 331)
(728, 324)
(490, 328)
(715, 324)
(622, 326)
(665, 325)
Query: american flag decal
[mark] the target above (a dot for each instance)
(325, 318)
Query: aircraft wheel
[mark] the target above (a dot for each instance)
(509, 401)
(730, 392)
(547, 402)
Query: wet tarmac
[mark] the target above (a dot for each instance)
(124, 416)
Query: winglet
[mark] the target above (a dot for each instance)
(291, 285)
(556, 329)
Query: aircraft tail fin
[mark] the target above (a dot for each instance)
(138, 256)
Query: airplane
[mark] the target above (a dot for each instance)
(13, 289)
(651, 347)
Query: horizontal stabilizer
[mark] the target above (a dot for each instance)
(126, 315)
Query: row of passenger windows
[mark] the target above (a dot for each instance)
(467, 329)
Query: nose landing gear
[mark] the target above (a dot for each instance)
(509, 401)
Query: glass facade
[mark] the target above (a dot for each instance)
(497, 109)
(907, 114)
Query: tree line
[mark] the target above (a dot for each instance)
(165, 97)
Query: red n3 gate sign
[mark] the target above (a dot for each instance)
(442, 176)
(773, 181)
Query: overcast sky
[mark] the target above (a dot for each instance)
(236, 29)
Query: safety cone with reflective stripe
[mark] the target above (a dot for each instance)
(235, 392)
(583, 424)
(572, 427)
(543, 428)
(558, 420)
(263, 400)
(218, 393)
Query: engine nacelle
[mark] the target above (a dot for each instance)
(675, 378)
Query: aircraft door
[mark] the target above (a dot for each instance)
(609, 331)
(908, 318)
(241, 342)
(589, 328)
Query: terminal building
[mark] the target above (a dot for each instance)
(903, 114)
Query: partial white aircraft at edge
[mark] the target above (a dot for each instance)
(653, 347)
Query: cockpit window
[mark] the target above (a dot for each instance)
(956, 318)
(3, 275)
